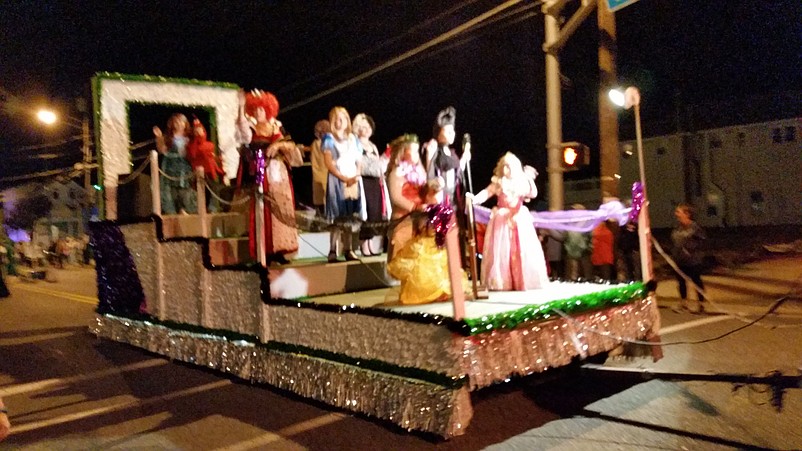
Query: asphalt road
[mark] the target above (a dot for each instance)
(66, 389)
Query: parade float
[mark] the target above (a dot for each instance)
(184, 286)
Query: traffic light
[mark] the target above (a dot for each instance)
(574, 156)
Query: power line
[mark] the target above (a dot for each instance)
(393, 61)
(375, 48)
(50, 144)
(468, 38)
(35, 175)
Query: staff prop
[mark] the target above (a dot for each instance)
(466, 146)
(479, 292)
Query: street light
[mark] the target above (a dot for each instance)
(627, 99)
(46, 116)
(49, 117)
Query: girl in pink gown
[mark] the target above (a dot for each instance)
(512, 256)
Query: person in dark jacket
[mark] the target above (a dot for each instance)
(687, 238)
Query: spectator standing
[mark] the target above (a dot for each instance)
(687, 238)
(629, 244)
(4, 293)
(553, 247)
(578, 246)
(602, 256)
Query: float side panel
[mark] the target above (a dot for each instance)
(409, 403)
(405, 343)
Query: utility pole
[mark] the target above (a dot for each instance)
(555, 39)
(608, 116)
(86, 147)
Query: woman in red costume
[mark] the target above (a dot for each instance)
(266, 161)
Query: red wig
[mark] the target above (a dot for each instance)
(263, 99)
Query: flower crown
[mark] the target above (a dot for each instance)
(404, 139)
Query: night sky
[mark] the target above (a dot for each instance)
(730, 53)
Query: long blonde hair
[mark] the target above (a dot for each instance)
(333, 116)
(171, 128)
(518, 183)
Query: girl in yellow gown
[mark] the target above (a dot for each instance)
(413, 256)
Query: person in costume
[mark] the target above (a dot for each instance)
(413, 257)
(512, 256)
(342, 154)
(201, 153)
(265, 162)
(440, 160)
(177, 193)
(376, 203)
(320, 172)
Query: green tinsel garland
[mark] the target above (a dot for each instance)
(541, 312)
(160, 79)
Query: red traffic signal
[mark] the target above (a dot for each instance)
(574, 156)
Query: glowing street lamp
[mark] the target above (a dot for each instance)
(49, 117)
(627, 99)
(46, 116)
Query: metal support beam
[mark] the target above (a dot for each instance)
(554, 126)
(570, 27)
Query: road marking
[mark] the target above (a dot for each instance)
(34, 338)
(34, 425)
(692, 324)
(59, 382)
(60, 294)
(283, 433)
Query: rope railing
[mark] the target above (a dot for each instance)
(180, 178)
(136, 173)
(223, 201)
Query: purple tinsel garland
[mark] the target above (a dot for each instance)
(440, 221)
(119, 290)
(637, 202)
(261, 165)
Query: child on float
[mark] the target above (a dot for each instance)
(512, 256)
(177, 193)
(413, 255)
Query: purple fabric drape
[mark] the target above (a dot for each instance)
(569, 220)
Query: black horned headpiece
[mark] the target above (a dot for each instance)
(445, 117)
